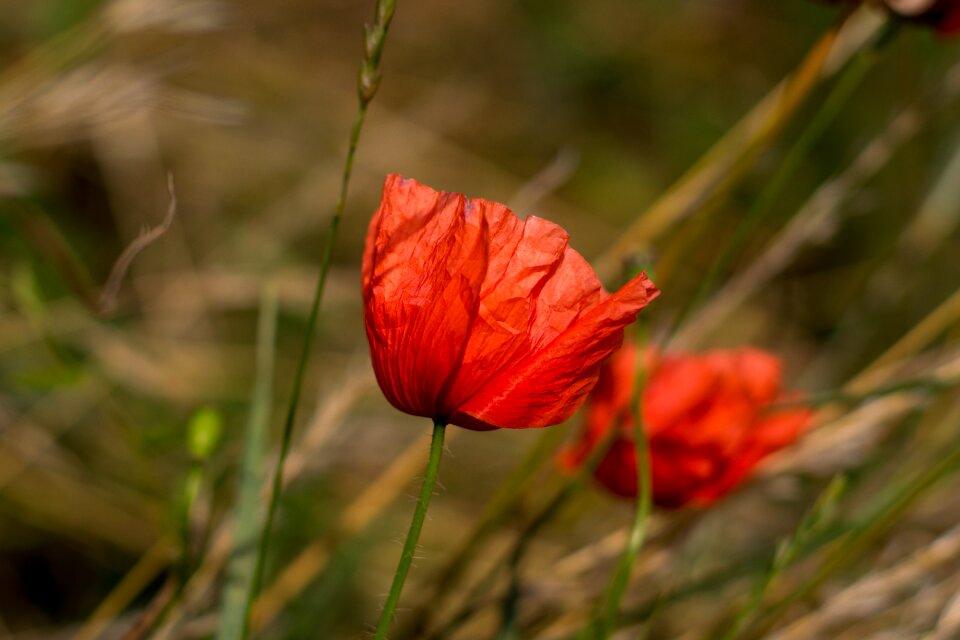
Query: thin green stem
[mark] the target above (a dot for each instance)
(608, 611)
(367, 84)
(510, 601)
(828, 112)
(500, 505)
(276, 485)
(618, 585)
(413, 535)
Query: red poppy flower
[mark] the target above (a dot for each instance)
(480, 319)
(705, 417)
(942, 15)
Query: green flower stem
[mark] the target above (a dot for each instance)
(510, 602)
(413, 535)
(367, 85)
(618, 585)
(610, 607)
(500, 505)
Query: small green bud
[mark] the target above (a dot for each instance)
(204, 431)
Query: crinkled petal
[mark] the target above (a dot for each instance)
(571, 291)
(546, 387)
(523, 256)
(423, 268)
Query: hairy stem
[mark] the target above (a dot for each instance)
(413, 535)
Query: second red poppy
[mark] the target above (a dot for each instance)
(707, 418)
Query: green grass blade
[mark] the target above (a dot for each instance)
(238, 593)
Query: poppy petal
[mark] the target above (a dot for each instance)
(425, 262)
(757, 372)
(524, 254)
(706, 417)
(678, 387)
(547, 387)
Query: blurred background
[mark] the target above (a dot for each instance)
(582, 113)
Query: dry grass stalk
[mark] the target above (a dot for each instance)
(743, 142)
(817, 219)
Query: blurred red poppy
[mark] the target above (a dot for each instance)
(706, 418)
(480, 319)
(942, 15)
